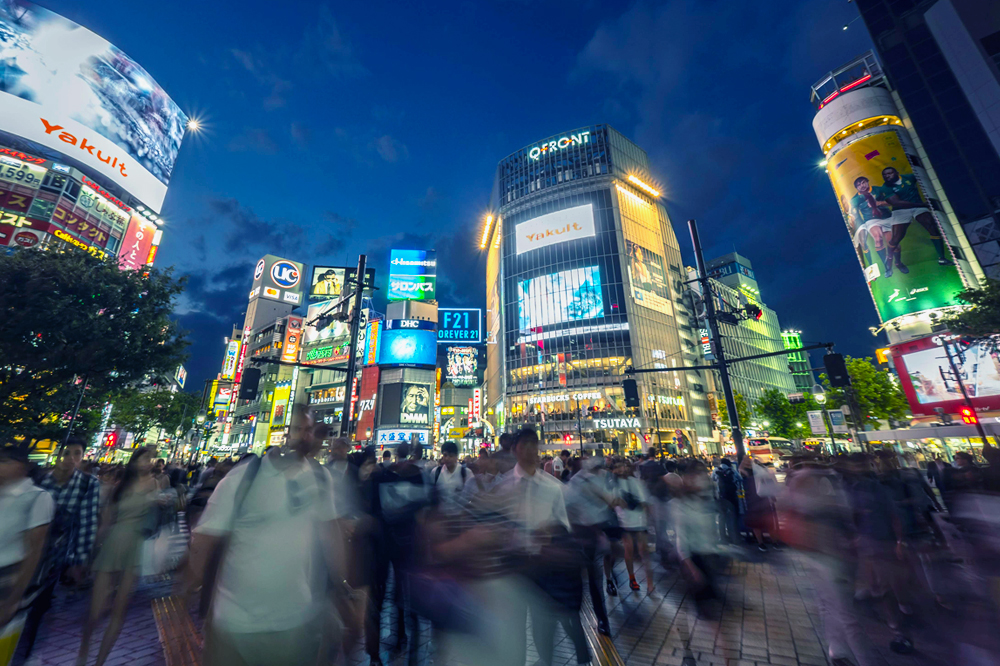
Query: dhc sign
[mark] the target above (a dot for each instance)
(561, 143)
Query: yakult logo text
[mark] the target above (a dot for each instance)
(82, 144)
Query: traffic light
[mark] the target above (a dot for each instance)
(567, 437)
(968, 415)
(631, 390)
(111, 439)
(836, 370)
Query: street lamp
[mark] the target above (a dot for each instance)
(798, 424)
(767, 424)
(202, 415)
(818, 394)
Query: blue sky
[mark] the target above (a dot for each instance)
(333, 129)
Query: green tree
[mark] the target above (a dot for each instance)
(877, 393)
(67, 316)
(783, 416)
(981, 320)
(140, 410)
(742, 410)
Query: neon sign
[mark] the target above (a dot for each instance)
(561, 143)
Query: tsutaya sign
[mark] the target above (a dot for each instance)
(607, 424)
(561, 143)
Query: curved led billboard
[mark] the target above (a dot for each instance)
(68, 89)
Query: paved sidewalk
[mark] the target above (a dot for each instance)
(769, 617)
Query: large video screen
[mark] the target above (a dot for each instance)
(573, 295)
(558, 227)
(412, 275)
(409, 347)
(68, 89)
(311, 334)
(463, 366)
(649, 280)
(929, 382)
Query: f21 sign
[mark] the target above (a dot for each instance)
(460, 325)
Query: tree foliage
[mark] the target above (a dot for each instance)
(66, 316)
(742, 410)
(981, 320)
(877, 394)
(783, 416)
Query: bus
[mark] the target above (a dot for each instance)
(769, 449)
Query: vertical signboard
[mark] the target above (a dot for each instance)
(837, 421)
(477, 404)
(293, 339)
(136, 243)
(816, 423)
(372, 341)
(229, 365)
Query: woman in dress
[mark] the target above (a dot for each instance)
(120, 538)
(632, 518)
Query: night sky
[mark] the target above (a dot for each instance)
(356, 127)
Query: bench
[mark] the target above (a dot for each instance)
(180, 639)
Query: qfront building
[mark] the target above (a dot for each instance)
(88, 141)
(583, 274)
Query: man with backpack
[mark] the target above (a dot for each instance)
(276, 520)
(449, 479)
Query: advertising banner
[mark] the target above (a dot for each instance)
(648, 279)
(816, 423)
(396, 436)
(928, 381)
(415, 405)
(412, 275)
(895, 232)
(229, 365)
(367, 403)
(136, 243)
(572, 295)
(279, 403)
(78, 94)
(463, 366)
(181, 375)
(335, 331)
(278, 279)
(327, 283)
(460, 325)
(558, 227)
(408, 347)
(373, 339)
(92, 234)
(837, 421)
(293, 339)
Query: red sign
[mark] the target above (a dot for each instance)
(26, 239)
(368, 396)
(293, 338)
(21, 156)
(929, 382)
(15, 201)
(136, 243)
(80, 227)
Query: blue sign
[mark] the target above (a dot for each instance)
(409, 324)
(408, 347)
(460, 325)
(284, 273)
(412, 275)
(734, 267)
(412, 262)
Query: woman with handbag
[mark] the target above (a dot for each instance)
(127, 522)
(634, 523)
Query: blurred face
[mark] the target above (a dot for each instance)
(301, 436)
(621, 469)
(449, 460)
(11, 470)
(366, 469)
(526, 454)
(71, 458)
(890, 175)
(863, 186)
(338, 450)
(144, 463)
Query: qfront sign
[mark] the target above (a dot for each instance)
(562, 143)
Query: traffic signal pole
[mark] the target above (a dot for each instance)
(965, 394)
(359, 288)
(713, 325)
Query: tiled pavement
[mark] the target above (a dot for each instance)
(769, 617)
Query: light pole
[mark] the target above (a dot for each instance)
(819, 395)
(200, 420)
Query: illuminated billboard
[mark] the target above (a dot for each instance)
(648, 279)
(895, 232)
(328, 282)
(72, 91)
(136, 243)
(278, 279)
(412, 275)
(229, 365)
(460, 325)
(406, 404)
(407, 347)
(462, 366)
(334, 331)
(293, 340)
(557, 298)
(928, 381)
(558, 227)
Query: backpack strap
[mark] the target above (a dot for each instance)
(253, 466)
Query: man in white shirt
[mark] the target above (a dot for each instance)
(25, 513)
(283, 548)
(450, 477)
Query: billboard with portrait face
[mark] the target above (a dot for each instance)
(556, 298)
(415, 405)
(72, 91)
(648, 279)
(907, 263)
(462, 366)
(327, 283)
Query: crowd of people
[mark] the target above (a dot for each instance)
(300, 555)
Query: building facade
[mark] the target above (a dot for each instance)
(798, 362)
(582, 269)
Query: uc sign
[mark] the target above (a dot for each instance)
(285, 274)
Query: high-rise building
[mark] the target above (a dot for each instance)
(914, 252)
(583, 281)
(798, 362)
(942, 58)
(733, 290)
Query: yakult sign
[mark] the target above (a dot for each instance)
(558, 227)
